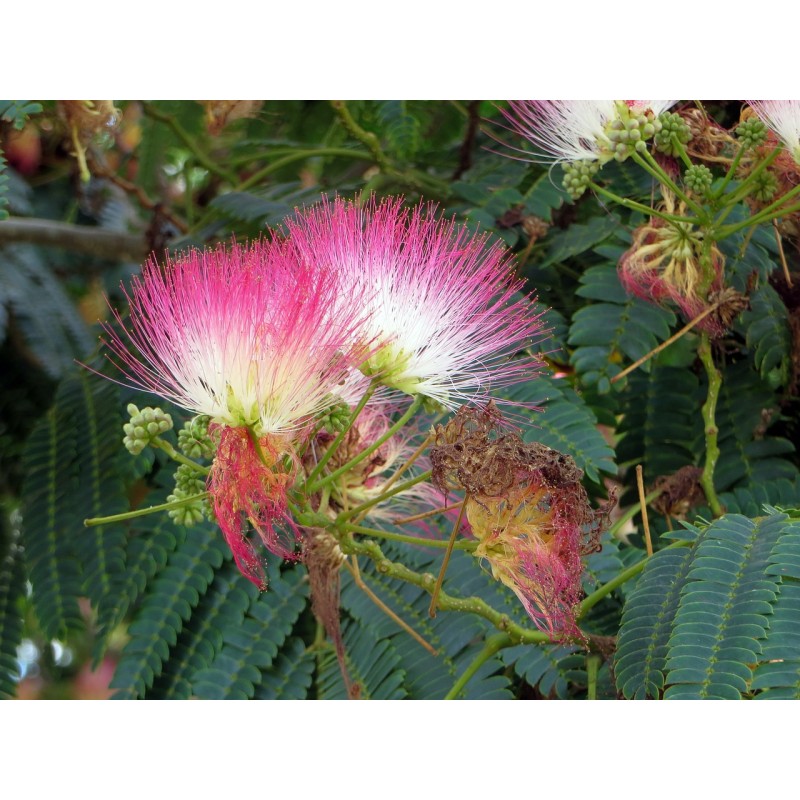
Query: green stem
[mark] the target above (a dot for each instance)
(401, 487)
(596, 596)
(334, 446)
(184, 136)
(311, 487)
(746, 186)
(411, 177)
(142, 512)
(492, 646)
(730, 173)
(299, 153)
(446, 602)
(368, 139)
(259, 176)
(401, 537)
(634, 206)
(650, 165)
(710, 426)
(772, 211)
(164, 445)
(592, 666)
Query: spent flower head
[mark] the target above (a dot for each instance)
(444, 315)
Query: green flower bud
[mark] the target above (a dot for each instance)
(193, 438)
(752, 133)
(698, 178)
(143, 427)
(189, 481)
(578, 175)
(766, 186)
(186, 515)
(335, 418)
(672, 127)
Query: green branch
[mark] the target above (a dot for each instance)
(401, 487)
(492, 646)
(710, 429)
(446, 602)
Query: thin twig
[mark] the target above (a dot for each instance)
(656, 350)
(648, 542)
(411, 459)
(785, 266)
(425, 514)
(446, 561)
(354, 571)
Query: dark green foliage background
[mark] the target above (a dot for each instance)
(717, 617)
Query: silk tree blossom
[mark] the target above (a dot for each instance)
(444, 317)
(245, 335)
(257, 342)
(783, 118)
(570, 131)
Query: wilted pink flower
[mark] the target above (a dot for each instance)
(578, 130)
(532, 540)
(666, 263)
(443, 316)
(249, 485)
(782, 117)
(258, 342)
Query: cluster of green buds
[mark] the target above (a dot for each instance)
(674, 134)
(766, 184)
(335, 418)
(630, 130)
(698, 178)
(578, 175)
(189, 483)
(144, 426)
(751, 133)
(193, 438)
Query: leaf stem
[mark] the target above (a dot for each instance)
(446, 602)
(650, 165)
(142, 512)
(634, 206)
(492, 646)
(596, 596)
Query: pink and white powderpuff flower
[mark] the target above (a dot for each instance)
(783, 118)
(568, 131)
(246, 335)
(258, 342)
(444, 317)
